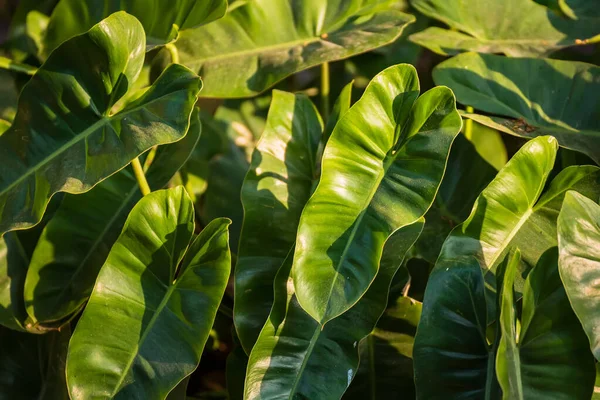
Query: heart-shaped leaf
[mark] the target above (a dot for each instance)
(65, 137)
(161, 20)
(579, 245)
(569, 109)
(75, 243)
(499, 26)
(144, 297)
(299, 35)
(389, 145)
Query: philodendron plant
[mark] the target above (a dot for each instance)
(185, 212)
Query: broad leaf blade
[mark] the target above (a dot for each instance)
(370, 160)
(64, 138)
(275, 190)
(140, 299)
(299, 35)
(76, 242)
(579, 245)
(568, 109)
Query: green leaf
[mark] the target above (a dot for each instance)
(579, 9)
(75, 243)
(293, 350)
(516, 88)
(33, 366)
(518, 28)
(341, 105)
(65, 137)
(579, 264)
(386, 366)
(298, 35)
(162, 21)
(389, 145)
(8, 97)
(548, 357)
(489, 145)
(13, 269)
(278, 184)
(143, 296)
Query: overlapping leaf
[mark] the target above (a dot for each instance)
(161, 20)
(388, 146)
(241, 55)
(77, 240)
(568, 109)
(148, 317)
(65, 137)
(518, 28)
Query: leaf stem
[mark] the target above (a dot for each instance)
(7, 63)
(325, 90)
(469, 124)
(140, 176)
(173, 52)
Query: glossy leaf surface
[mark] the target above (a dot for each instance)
(275, 190)
(65, 137)
(579, 245)
(241, 55)
(569, 109)
(388, 146)
(142, 297)
(161, 20)
(518, 28)
(75, 243)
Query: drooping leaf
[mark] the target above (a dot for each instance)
(275, 190)
(548, 357)
(295, 357)
(241, 55)
(488, 144)
(579, 246)
(389, 145)
(143, 298)
(65, 138)
(386, 367)
(75, 243)
(518, 28)
(162, 21)
(568, 109)
(33, 366)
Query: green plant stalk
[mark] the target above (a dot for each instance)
(325, 89)
(7, 63)
(140, 176)
(173, 52)
(469, 124)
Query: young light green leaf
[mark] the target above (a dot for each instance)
(548, 357)
(389, 145)
(161, 20)
(516, 88)
(298, 35)
(278, 184)
(65, 138)
(75, 243)
(579, 264)
(518, 28)
(293, 350)
(143, 296)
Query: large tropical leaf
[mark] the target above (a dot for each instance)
(548, 357)
(295, 357)
(518, 28)
(65, 136)
(148, 317)
(460, 300)
(161, 20)
(275, 190)
(33, 366)
(569, 109)
(76, 242)
(388, 146)
(241, 55)
(579, 246)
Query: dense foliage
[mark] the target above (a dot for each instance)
(299, 199)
